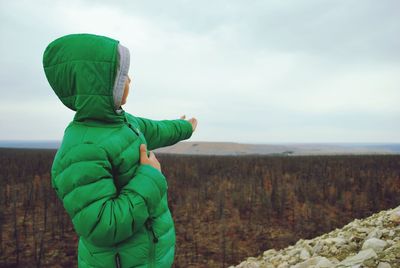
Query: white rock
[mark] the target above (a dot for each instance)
(354, 266)
(309, 263)
(308, 248)
(359, 258)
(307, 241)
(293, 260)
(304, 254)
(334, 260)
(336, 240)
(305, 264)
(395, 216)
(284, 265)
(269, 252)
(384, 265)
(249, 264)
(377, 245)
(376, 233)
(364, 230)
(352, 245)
(324, 263)
(285, 257)
(390, 242)
(275, 260)
(294, 252)
(318, 247)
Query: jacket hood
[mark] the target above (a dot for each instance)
(88, 73)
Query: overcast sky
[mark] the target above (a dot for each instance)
(249, 71)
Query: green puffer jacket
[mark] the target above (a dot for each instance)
(118, 207)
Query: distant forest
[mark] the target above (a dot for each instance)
(225, 208)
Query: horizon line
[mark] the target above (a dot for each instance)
(241, 142)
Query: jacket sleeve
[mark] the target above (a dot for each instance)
(161, 133)
(99, 213)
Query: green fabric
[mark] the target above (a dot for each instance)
(96, 172)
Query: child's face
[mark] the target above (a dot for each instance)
(126, 91)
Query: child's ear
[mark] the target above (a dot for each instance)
(126, 92)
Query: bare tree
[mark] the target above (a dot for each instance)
(15, 234)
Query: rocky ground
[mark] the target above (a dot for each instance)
(370, 242)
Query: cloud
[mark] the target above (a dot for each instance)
(263, 70)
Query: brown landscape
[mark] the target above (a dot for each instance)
(234, 148)
(225, 207)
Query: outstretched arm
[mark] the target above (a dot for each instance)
(99, 213)
(161, 133)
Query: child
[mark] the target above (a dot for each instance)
(114, 193)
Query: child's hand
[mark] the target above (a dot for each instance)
(152, 160)
(192, 121)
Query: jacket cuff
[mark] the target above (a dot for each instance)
(187, 129)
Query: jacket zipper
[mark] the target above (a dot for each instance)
(136, 132)
(117, 257)
(148, 224)
(117, 261)
(153, 238)
(130, 126)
